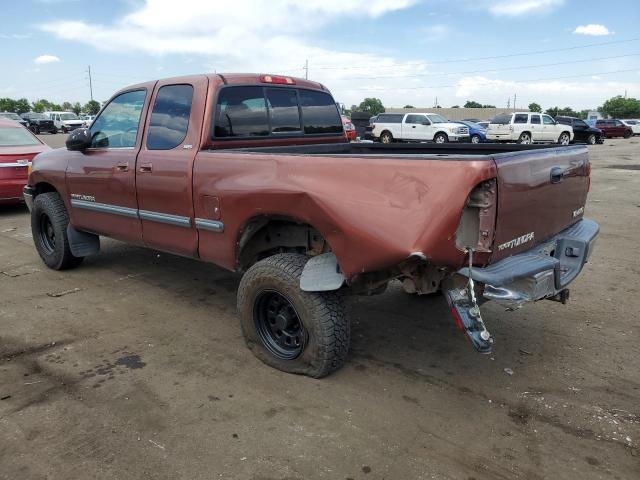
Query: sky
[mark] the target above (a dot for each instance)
(573, 53)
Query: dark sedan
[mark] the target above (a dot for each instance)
(582, 132)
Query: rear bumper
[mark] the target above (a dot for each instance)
(542, 272)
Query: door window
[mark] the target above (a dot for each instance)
(535, 119)
(117, 125)
(416, 119)
(520, 118)
(547, 120)
(170, 117)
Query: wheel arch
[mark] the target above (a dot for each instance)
(264, 235)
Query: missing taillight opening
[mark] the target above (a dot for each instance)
(477, 224)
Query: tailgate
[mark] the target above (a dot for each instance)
(540, 193)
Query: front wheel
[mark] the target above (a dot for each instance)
(475, 139)
(628, 134)
(591, 139)
(441, 138)
(294, 331)
(564, 139)
(49, 221)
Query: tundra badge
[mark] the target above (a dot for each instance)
(527, 237)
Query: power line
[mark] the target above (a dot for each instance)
(506, 81)
(493, 57)
(441, 74)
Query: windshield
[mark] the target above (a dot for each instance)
(437, 119)
(13, 137)
(12, 116)
(68, 116)
(475, 125)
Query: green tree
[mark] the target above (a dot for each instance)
(620, 107)
(535, 107)
(488, 106)
(372, 106)
(77, 108)
(472, 104)
(92, 107)
(565, 112)
(66, 106)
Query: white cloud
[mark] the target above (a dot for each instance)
(433, 33)
(516, 8)
(593, 29)
(45, 59)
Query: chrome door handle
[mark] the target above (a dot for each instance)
(146, 167)
(122, 167)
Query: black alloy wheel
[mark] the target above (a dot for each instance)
(279, 325)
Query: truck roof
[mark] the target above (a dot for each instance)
(234, 79)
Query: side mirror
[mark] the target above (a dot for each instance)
(79, 139)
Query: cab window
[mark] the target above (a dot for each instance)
(416, 119)
(283, 108)
(170, 117)
(535, 119)
(547, 120)
(117, 125)
(520, 118)
(241, 111)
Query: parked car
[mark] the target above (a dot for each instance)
(308, 216)
(474, 120)
(484, 124)
(65, 122)
(18, 146)
(614, 128)
(368, 130)
(634, 124)
(476, 132)
(418, 127)
(526, 128)
(87, 119)
(582, 132)
(349, 128)
(13, 116)
(38, 122)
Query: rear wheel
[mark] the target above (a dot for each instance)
(628, 134)
(525, 138)
(564, 138)
(288, 329)
(591, 139)
(475, 139)
(386, 137)
(441, 138)
(49, 221)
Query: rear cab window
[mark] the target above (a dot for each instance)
(257, 111)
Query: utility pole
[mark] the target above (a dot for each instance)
(90, 84)
(509, 102)
(306, 69)
(514, 100)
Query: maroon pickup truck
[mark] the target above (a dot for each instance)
(255, 174)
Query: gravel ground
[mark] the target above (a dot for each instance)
(133, 366)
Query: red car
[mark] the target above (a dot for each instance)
(349, 128)
(614, 128)
(18, 146)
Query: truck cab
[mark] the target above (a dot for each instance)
(418, 127)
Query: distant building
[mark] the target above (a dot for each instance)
(594, 115)
(461, 113)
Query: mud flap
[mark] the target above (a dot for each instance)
(466, 314)
(82, 244)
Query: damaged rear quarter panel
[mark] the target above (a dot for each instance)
(374, 212)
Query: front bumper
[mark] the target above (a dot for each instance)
(541, 272)
(29, 194)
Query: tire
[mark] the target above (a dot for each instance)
(591, 139)
(54, 131)
(36, 130)
(628, 134)
(386, 137)
(49, 220)
(476, 139)
(564, 139)
(440, 138)
(313, 328)
(525, 138)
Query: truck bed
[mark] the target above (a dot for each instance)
(406, 150)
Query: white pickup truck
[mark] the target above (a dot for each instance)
(418, 127)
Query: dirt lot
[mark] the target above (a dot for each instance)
(133, 366)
